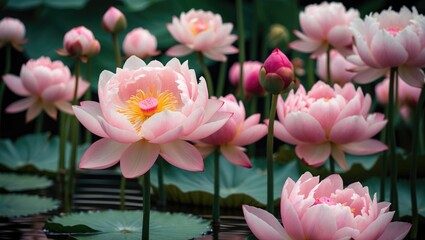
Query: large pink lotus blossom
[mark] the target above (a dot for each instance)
(114, 21)
(46, 85)
(149, 110)
(79, 42)
(313, 209)
(408, 96)
(12, 31)
(202, 31)
(237, 132)
(322, 25)
(339, 67)
(329, 121)
(390, 39)
(140, 42)
(250, 80)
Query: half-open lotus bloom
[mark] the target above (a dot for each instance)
(329, 121)
(250, 80)
(339, 66)
(46, 85)
(149, 110)
(408, 96)
(202, 31)
(390, 39)
(237, 132)
(79, 42)
(12, 31)
(313, 209)
(140, 42)
(323, 24)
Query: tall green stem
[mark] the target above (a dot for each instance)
(310, 73)
(206, 72)
(87, 97)
(241, 45)
(221, 78)
(162, 200)
(216, 200)
(391, 142)
(328, 65)
(61, 174)
(39, 123)
(414, 166)
(146, 204)
(270, 185)
(116, 50)
(253, 103)
(6, 71)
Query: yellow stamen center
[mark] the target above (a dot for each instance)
(198, 25)
(393, 30)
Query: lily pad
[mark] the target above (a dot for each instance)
(33, 151)
(18, 205)
(14, 182)
(116, 225)
(238, 185)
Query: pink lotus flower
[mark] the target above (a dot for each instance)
(390, 39)
(339, 68)
(278, 72)
(237, 132)
(323, 24)
(140, 42)
(202, 31)
(313, 209)
(408, 96)
(149, 110)
(12, 31)
(250, 81)
(114, 21)
(329, 121)
(79, 42)
(46, 85)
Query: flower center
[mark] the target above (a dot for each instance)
(393, 30)
(324, 200)
(143, 105)
(198, 25)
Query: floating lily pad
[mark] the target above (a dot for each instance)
(116, 225)
(17, 205)
(34, 151)
(238, 185)
(14, 182)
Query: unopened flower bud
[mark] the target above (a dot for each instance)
(277, 73)
(114, 21)
(278, 35)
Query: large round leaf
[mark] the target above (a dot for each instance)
(17, 205)
(14, 182)
(116, 225)
(238, 185)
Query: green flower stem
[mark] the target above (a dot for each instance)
(61, 174)
(6, 71)
(216, 200)
(122, 193)
(254, 30)
(206, 72)
(414, 167)
(221, 78)
(162, 200)
(87, 97)
(253, 103)
(328, 65)
(270, 196)
(310, 73)
(39, 123)
(391, 142)
(241, 45)
(146, 204)
(116, 50)
(267, 102)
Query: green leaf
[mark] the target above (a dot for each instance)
(139, 5)
(23, 4)
(27, 4)
(238, 185)
(127, 225)
(17, 205)
(15, 182)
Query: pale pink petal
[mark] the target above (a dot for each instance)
(311, 26)
(103, 153)
(204, 40)
(377, 227)
(132, 63)
(118, 134)
(214, 55)
(387, 51)
(339, 157)
(53, 93)
(263, 224)
(304, 46)
(369, 75)
(365, 53)
(339, 36)
(325, 112)
(138, 158)
(64, 106)
(353, 107)
(193, 121)
(50, 110)
(345, 233)
(349, 129)
(20, 105)
(396, 231)
(290, 219)
(205, 149)
(159, 129)
(33, 111)
(215, 123)
(179, 51)
(365, 147)
(89, 114)
(415, 77)
(252, 120)
(313, 154)
(235, 155)
(319, 222)
(279, 131)
(329, 185)
(14, 83)
(182, 155)
(250, 135)
(304, 127)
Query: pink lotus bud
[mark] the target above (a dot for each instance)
(79, 42)
(12, 31)
(251, 71)
(140, 42)
(277, 72)
(114, 21)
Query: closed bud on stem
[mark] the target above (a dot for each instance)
(114, 21)
(277, 73)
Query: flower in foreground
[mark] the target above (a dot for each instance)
(328, 122)
(12, 31)
(324, 24)
(141, 43)
(390, 39)
(250, 81)
(237, 132)
(47, 85)
(277, 72)
(149, 110)
(339, 67)
(113, 20)
(202, 31)
(313, 209)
